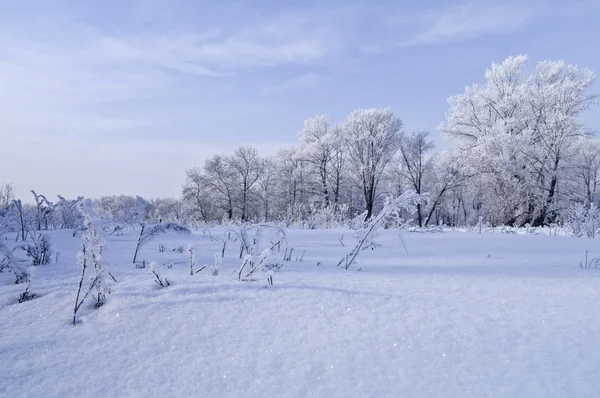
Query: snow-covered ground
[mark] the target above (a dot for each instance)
(462, 315)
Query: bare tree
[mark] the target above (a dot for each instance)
(372, 137)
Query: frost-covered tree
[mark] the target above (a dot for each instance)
(586, 165)
(450, 173)
(247, 167)
(167, 209)
(372, 137)
(519, 130)
(221, 181)
(584, 219)
(291, 183)
(197, 196)
(7, 195)
(417, 164)
(337, 169)
(318, 143)
(266, 185)
(116, 209)
(68, 212)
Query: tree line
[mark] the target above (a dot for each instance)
(519, 155)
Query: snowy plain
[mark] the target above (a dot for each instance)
(462, 315)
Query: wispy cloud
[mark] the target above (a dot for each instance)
(63, 74)
(199, 54)
(469, 21)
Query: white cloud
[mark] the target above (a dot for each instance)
(469, 21)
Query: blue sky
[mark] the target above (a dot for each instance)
(110, 97)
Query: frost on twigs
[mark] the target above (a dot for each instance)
(93, 270)
(584, 219)
(40, 250)
(151, 231)
(27, 295)
(257, 252)
(160, 280)
(192, 251)
(9, 261)
(217, 264)
(590, 263)
(367, 235)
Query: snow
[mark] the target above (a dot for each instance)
(462, 315)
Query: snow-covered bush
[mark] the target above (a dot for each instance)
(151, 231)
(253, 263)
(40, 250)
(44, 212)
(323, 216)
(27, 295)
(67, 213)
(217, 264)
(90, 257)
(15, 219)
(256, 252)
(358, 221)
(8, 261)
(584, 219)
(367, 235)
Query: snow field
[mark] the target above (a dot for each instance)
(463, 315)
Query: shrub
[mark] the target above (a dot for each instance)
(40, 250)
(584, 219)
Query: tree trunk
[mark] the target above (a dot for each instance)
(230, 209)
(541, 219)
(369, 191)
(323, 173)
(419, 215)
